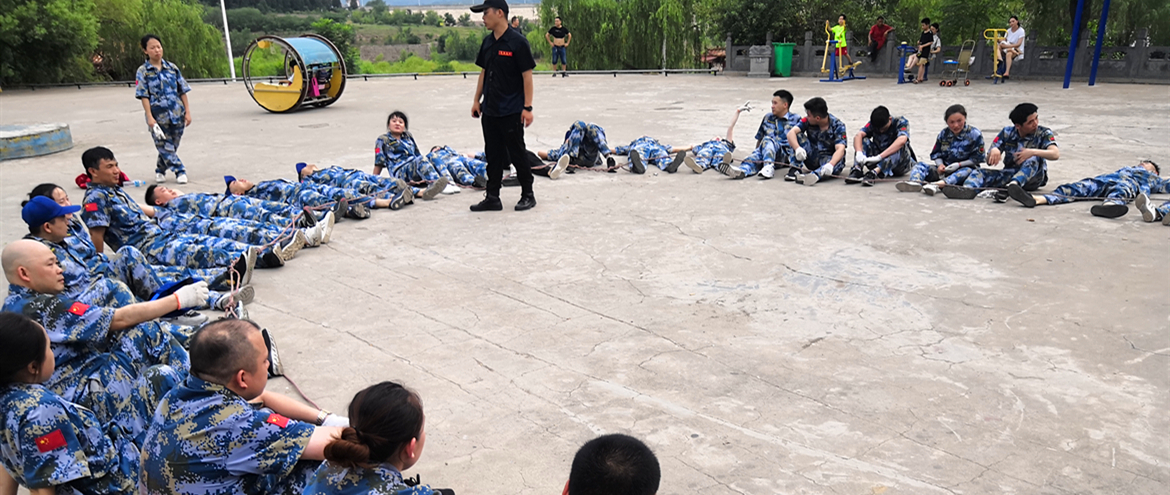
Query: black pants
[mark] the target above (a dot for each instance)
(503, 143)
(873, 51)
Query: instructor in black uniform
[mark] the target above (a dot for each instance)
(503, 103)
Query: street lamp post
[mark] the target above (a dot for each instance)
(228, 38)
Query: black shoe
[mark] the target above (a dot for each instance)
(527, 202)
(510, 181)
(564, 74)
(636, 165)
(791, 176)
(855, 176)
(959, 192)
(1001, 196)
(489, 203)
(869, 180)
(1019, 194)
(480, 182)
(1109, 210)
(270, 259)
(678, 160)
(308, 218)
(360, 211)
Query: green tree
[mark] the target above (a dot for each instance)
(629, 34)
(343, 38)
(465, 19)
(196, 47)
(431, 18)
(448, 19)
(46, 41)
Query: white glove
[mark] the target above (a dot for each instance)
(873, 159)
(158, 133)
(953, 167)
(860, 158)
(800, 154)
(335, 420)
(746, 107)
(192, 296)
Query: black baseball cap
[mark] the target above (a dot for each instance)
(494, 4)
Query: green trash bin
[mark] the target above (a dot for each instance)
(783, 59)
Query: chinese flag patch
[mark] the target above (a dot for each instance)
(91, 207)
(52, 441)
(78, 309)
(277, 420)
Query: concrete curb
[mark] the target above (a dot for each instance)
(22, 141)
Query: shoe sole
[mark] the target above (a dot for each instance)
(959, 192)
(402, 199)
(330, 219)
(480, 182)
(854, 180)
(299, 241)
(245, 295)
(249, 265)
(1109, 210)
(808, 179)
(636, 165)
(434, 189)
(678, 160)
(1143, 205)
(559, 168)
(909, 187)
(1020, 195)
(693, 165)
(359, 211)
(929, 191)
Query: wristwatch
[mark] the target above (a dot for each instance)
(528, 108)
(321, 415)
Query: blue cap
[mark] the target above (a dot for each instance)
(41, 210)
(227, 181)
(300, 166)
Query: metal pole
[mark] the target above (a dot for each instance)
(1072, 46)
(1100, 41)
(228, 38)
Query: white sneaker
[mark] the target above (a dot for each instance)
(930, 189)
(808, 179)
(559, 168)
(908, 186)
(328, 221)
(160, 178)
(451, 188)
(768, 171)
(181, 179)
(1149, 214)
(291, 246)
(693, 165)
(313, 235)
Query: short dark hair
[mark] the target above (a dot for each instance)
(935, 25)
(926, 20)
(612, 464)
(21, 342)
(383, 419)
(1021, 113)
(953, 109)
(399, 114)
(817, 107)
(146, 39)
(149, 197)
(784, 95)
(878, 118)
(220, 349)
(880, 18)
(843, 17)
(557, 17)
(93, 157)
(1157, 169)
(1014, 17)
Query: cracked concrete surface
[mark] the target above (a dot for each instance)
(761, 337)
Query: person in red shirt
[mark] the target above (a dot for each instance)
(877, 37)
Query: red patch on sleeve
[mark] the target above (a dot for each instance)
(277, 420)
(91, 207)
(50, 442)
(78, 308)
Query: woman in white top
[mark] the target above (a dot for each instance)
(1013, 45)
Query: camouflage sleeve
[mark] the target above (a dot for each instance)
(904, 128)
(1047, 138)
(622, 150)
(1000, 138)
(978, 152)
(69, 321)
(49, 450)
(841, 133)
(276, 444)
(380, 150)
(936, 153)
(181, 82)
(95, 211)
(140, 90)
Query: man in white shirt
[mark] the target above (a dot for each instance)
(1013, 46)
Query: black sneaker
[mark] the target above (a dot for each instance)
(527, 202)
(1109, 210)
(959, 192)
(480, 182)
(636, 165)
(270, 259)
(1000, 196)
(489, 203)
(855, 176)
(1020, 195)
(869, 179)
(678, 160)
(307, 219)
(359, 211)
(791, 175)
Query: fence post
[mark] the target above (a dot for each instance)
(728, 55)
(810, 55)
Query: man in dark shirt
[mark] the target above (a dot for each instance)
(504, 98)
(877, 37)
(559, 37)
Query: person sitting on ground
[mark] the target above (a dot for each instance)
(612, 464)
(228, 206)
(716, 153)
(957, 152)
(213, 416)
(1115, 188)
(397, 152)
(772, 148)
(877, 37)
(647, 150)
(1025, 148)
(584, 147)
(1012, 47)
(350, 203)
(366, 183)
(52, 445)
(385, 437)
(925, 41)
(883, 148)
(822, 154)
(1151, 213)
(114, 218)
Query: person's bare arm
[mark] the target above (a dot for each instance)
(322, 436)
(894, 147)
(478, 95)
(98, 236)
(289, 407)
(792, 141)
(526, 117)
(838, 155)
(42, 491)
(187, 109)
(128, 316)
(548, 38)
(1052, 153)
(146, 108)
(148, 210)
(568, 39)
(731, 128)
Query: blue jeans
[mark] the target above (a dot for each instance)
(558, 52)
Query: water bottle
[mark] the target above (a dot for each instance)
(138, 183)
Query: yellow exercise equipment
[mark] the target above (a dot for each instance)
(313, 73)
(995, 36)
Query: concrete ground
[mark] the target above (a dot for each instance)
(761, 337)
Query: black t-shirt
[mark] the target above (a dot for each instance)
(504, 62)
(558, 32)
(926, 38)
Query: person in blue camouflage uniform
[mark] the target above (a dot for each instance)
(397, 152)
(958, 150)
(346, 202)
(647, 150)
(207, 438)
(1025, 148)
(236, 229)
(366, 183)
(463, 169)
(54, 443)
(1150, 212)
(1114, 189)
(114, 218)
(772, 147)
(821, 154)
(227, 206)
(585, 145)
(883, 148)
(386, 436)
(163, 93)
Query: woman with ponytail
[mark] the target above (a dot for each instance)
(386, 436)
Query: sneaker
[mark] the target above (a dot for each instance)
(341, 207)
(527, 202)
(930, 189)
(908, 186)
(678, 160)
(451, 188)
(435, 188)
(401, 199)
(1109, 210)
(693, 165)
(307, 219)
(1000, 196)
(312, 236)
(241, 272)
(275, 366)
(510, 181)
(290, 247)
(559, 168)
(611, 164)
(489, 203)
(554, 74)
(243, 296)
(870, 179)
(190, 318)
(181, 179)
(959, 192)
(791, 175)
(1142, 202)
(808, 179)
(768, 171)
(726, 168)
(160, 178)
(480, 182)
(360, 211)
(327, 232)
(237, 311)
(270, 259)
(636, 165)
(564, 74)
(855, 176)
(1020, 195)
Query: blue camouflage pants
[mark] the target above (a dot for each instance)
(710, 154)
(168, 149)
(652, 152)
(418, 169)
(770, 151)
(143, 345)
(455, 165)
(1031, 175)
(245, 231)
(1163, 210)
(269, 212)
(817, 162)
(1118, 192)
(895, 165)
(192, 251)
(581, 132)
(131, 267)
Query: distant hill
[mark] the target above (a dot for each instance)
(416, 3)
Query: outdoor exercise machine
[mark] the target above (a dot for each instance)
(833, 65)
(313, 73)
(995, 37)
